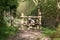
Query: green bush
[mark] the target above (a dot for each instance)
(48, 31)
(6, 32)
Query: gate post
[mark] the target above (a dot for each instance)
(39, 14)
(22, 20)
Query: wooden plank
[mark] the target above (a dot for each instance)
(30, 16)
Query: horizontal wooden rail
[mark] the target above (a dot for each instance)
(30, 16)
(30, 24)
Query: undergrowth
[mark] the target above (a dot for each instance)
(5, 32)
(48, 31)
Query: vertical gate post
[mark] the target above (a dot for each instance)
(39, 14)
(22, 20)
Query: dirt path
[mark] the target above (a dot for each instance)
(28, 35)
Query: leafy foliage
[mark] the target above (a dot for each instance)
(26, 7)
(6, 31)
(49, 12)
(6, 5)
(48, 31)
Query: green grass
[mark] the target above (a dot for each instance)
(56, 39)
(48, 31)
(6, 32)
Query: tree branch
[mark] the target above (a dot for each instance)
(36, 2)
